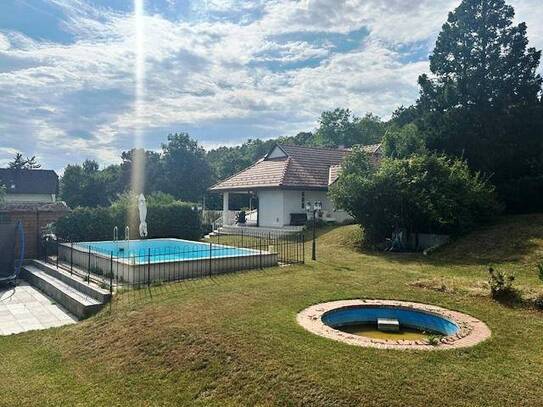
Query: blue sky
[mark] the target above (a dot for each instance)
(222, 70)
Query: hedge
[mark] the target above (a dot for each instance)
(164, 220)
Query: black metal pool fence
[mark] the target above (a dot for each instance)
(217, 255)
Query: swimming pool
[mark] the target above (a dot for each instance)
(152, 260)
(408, 317)
(160, 250)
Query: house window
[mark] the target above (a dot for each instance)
(303, 200)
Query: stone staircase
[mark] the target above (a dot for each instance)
(80, 298)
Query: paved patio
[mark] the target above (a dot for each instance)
(24, 308)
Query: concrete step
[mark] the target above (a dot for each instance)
(90, 289)
(76, 302)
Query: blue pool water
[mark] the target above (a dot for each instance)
(407, 317)
(162, 250)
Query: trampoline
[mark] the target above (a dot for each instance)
(12, 249)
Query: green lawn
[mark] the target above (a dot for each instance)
(233, 340)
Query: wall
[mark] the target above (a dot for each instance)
(33, 221)
(293, 204)
(45, 198)
(270, 208)
(275, 206)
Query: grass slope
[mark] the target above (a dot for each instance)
(233, 340)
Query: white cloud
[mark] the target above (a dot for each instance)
(75, 100)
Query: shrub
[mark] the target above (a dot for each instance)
(501, 284)
(86, 224)
(420, 194)
(175, 219)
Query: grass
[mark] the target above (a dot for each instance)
(233, 339)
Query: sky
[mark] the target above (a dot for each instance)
(222, 70)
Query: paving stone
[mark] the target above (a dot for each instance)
(24, 308)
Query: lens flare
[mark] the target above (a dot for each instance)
(138, 160)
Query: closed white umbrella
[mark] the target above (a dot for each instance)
(142, 206)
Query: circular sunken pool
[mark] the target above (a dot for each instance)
(393, 324)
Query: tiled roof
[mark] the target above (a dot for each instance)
(333, 174)
(298, 167)
(29, 181)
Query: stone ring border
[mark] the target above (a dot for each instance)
(472, 331)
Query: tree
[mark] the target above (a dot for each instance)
(482, 100)
(187, 172)
(21, 163)
(2, 193)
(153, 173)
(84, 185)
(341, 128)
(419, 194)
(401, 142)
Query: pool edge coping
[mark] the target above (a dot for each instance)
(472, 330)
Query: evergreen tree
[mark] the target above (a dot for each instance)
(482, 101)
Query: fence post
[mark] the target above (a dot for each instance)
(71, 258)
(260, 247)
(45, 241)
(57, 252)
(303, 248)
(149, 268)
(88, 264)
(241, 237)
(111, 274)
(210, 254)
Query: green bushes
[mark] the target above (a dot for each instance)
(86, 224)
(419, 194)
(164, 219)
(501, 285)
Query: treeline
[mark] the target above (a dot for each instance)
(482, 105)
(184, 170)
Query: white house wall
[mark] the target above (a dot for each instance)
(270, 208)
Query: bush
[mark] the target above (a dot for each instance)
(501, 284)
(175, 219)
(419, 194)
(86, 224)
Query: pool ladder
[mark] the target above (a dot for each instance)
(126, 236)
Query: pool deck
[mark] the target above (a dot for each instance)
(24, 308)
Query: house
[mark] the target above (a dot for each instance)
(39, 186)
(285, 181)
(32, 200)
